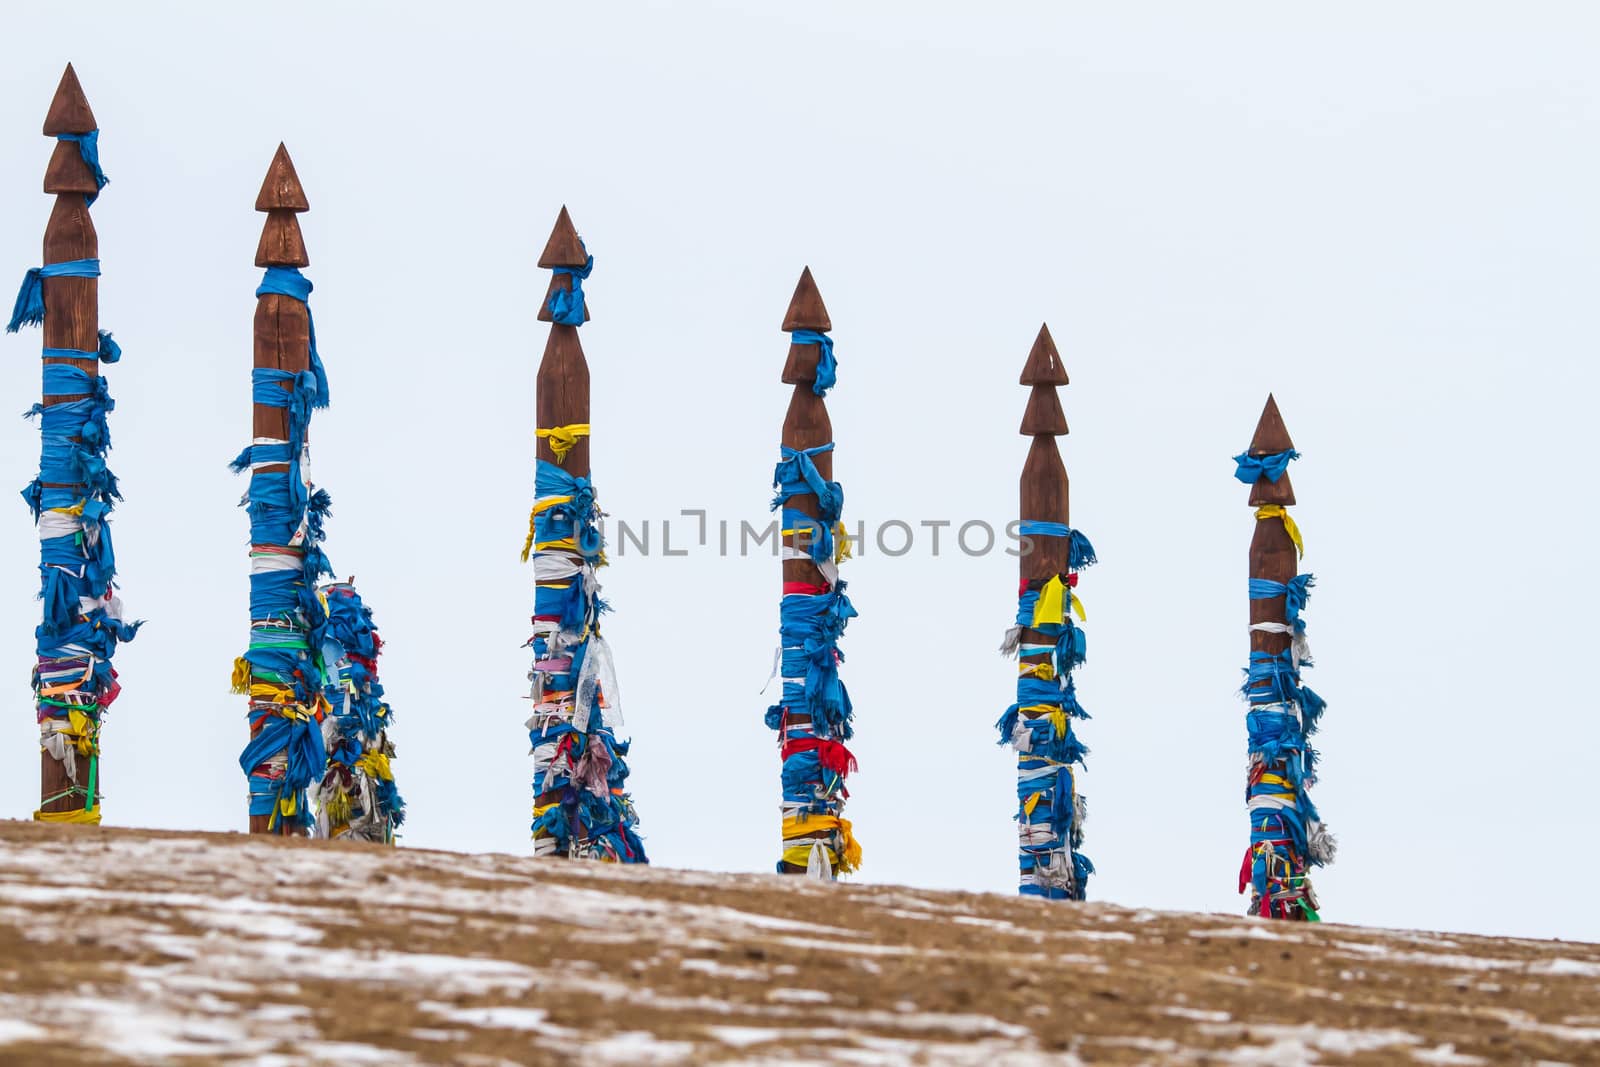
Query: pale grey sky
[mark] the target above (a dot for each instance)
(1383, 213)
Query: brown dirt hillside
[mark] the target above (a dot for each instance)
(151, 947)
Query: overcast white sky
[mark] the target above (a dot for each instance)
(1383, 213)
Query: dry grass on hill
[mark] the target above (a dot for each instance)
(152, 947)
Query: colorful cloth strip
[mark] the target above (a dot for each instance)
(1049, 648)
(356, 797)
(284, 672)
(581, 806)
(1287, 836)
(813, 717)
(71, 500)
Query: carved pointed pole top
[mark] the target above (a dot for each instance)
(1044, 362)
(563, 254)
(282, 197)
(806, 310)
(69, 109)
(563, 249)
(281, 189)
(1044, 371)
(1271, 436)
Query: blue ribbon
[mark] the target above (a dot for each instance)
(1080, 553)
(1282, 685)
(1296, 593)
(797, 474)
(809, 628)
(301, 740)
(576, 519)
(289, 282)
(827, 365)
(29, 308)
(1251, 468)
(566, 305)
(89, 149)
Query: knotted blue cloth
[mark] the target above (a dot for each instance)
(797, 474)
(1251, 468)
(1296, 593)
(827, 366)
(575, 519)
(1273, 679)
(89, 149)
(301, 741)
(566, 305)
(809, 627)
(108, 351)
(29, 308)
(289, 282)
(1080, 553)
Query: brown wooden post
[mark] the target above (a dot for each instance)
(282, 341)
(1048, 646)
(72, 677)
(581, 809)
(813, 717)
(1282, 711)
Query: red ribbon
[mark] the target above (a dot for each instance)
(806, 588)
(831, 754)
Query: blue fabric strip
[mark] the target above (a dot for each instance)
(89, 150)
(827, 365)
(29, 308)
(289, 282)
(566, 305)
(1252, 468)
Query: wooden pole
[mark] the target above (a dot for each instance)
(74, 676)
(282, 342)
(1286, 834)
(814, 717)
(1049, 646)
(581, 807)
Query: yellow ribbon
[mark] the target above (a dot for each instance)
(841, 544)
(1045, 671)
(376, 764)
(800, 855)
(1278, 511)
(1050, 608)
(847, 857)
(539, 507)
(81, 731)
(337, 808)
(81, 816)
(566, 544)
(564, 438)
(241, 676)
(1056, 715)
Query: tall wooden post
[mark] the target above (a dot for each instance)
(282, 673)
(74, 493)
(581, 807)
(1286, 835)
(813, 717)
(1049, 646)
